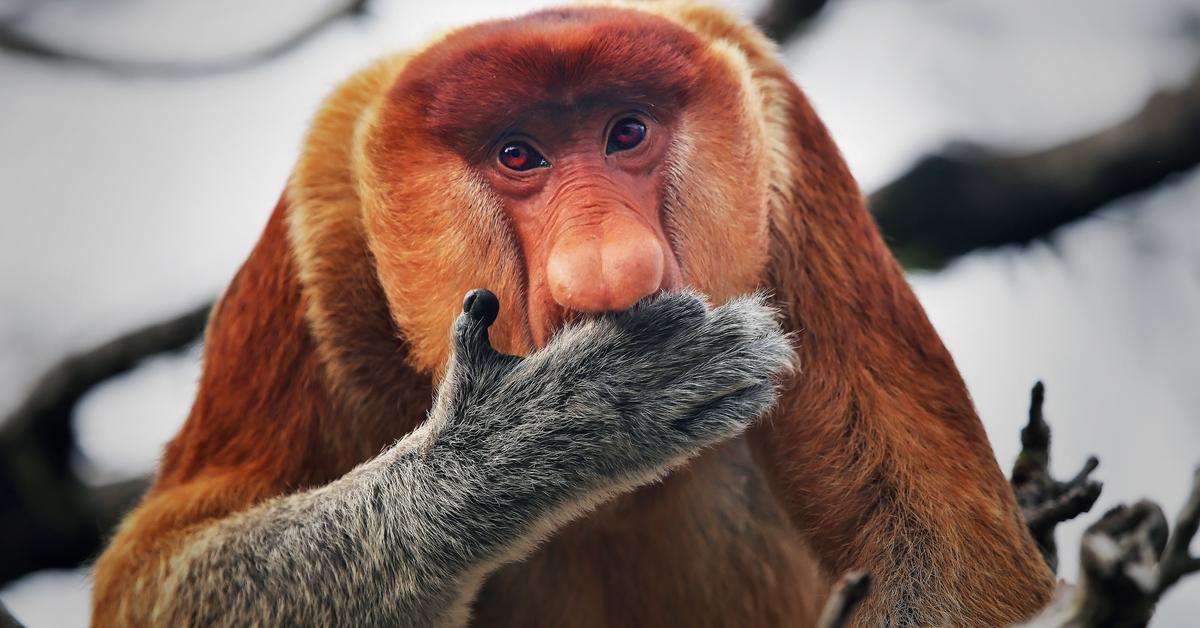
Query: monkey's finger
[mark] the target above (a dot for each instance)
(739, 344)
(749, 315)
(747, 364)
(482, 305)
(660, 317)
(471, 343)
(479, 310)
(727, 415)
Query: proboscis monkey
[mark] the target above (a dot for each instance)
(618, 177)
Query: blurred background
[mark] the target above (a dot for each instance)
(1033, 163)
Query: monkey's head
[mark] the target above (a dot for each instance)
(573, 161)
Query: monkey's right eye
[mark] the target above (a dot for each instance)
(521, 156)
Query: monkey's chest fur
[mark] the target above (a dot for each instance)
(708, 546)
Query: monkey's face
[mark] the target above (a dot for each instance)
(583, 191)
(573, 162)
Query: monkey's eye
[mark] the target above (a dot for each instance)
(521, 156)
(626, 134)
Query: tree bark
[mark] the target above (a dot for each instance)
(970, 198)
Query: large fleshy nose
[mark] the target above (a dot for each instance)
(605, 267)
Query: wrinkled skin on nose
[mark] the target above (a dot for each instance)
(607, 266)
(593, 241)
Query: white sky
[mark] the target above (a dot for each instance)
(127, 200)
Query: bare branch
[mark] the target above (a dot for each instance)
(6, 618)
(1072, 502)
(43, 419)
(972, 197)
(844, 599)
(1176, 561)
(12, 40)
(61, 528)
(783, 19)
(51, 518)
(1117, 559)
(1127, 562)
(1044, 501)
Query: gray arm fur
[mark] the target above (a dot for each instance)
(513, 449)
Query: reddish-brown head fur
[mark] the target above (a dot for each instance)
(470, 88)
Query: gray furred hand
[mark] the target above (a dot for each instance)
(609, 399)
(513, 449)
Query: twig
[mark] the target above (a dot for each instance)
(6, 618)
(847, 595)
(971, 197)
(1044, 501)
(1176, 561)
(783, 19)
(12, 40)
(43, 419)
(50, 517)
(1127, 563)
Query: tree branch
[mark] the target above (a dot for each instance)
(50, 517)
(6, 618)
(1044, 501)
(783, 19)
(971, 197)
(1127, 562)
(43, 419)
(12, 40)
(1176, 561)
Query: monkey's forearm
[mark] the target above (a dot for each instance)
(513, 449)
(395, 541)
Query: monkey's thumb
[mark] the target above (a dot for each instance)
(480, 308)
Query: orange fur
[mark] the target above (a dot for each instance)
(324, 348)
(877, 450)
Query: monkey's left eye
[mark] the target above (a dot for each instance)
(626, 134)
(521, 156)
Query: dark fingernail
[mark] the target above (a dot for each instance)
(482, 305)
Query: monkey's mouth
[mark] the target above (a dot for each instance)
(558, 318)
